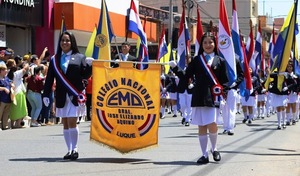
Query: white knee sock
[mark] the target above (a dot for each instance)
(74, 137)
(213, 140)
(283, 116)
(174, 108)
(279, 118)
(203, 144)
(68, 139)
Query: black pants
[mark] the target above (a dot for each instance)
(88, 106)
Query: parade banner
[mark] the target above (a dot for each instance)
(125, 106)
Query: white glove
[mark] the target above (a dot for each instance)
(164, 90)
(172, 64)
(46, 101)
(285, 89)
(233, 85)
(191, 86)
(89, 60)
(162, 76)
(116, 61)
(264, 90)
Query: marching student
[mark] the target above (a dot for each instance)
(292, 84)
(164, 95)
(230, 108)
(210, 73)
(172, 90)
(261, 97)
(69, 67)
(248, 105)
(279, 98)
(185, 89)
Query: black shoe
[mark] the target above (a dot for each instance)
(216, 155)
(187, 124)
(230, 133)
(262, 117)
(203, 160)
(225, 132)
(74, 155)
(249, 121)
(67, 156)
(283, 126)
(245, 120)
(288, 123)
(293, 122)
(279, 128)
(174, 115)
(183, 121)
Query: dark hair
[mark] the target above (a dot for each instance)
(36, 70)
(33, 58)
(212, 36)
(47, 54)
(10, 74)
(126, 43)
(74, 46)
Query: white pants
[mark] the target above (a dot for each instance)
(185, 100)
(229, 110)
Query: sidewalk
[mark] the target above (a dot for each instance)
(258, 149)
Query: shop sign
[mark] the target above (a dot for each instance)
(26, 3)
(2, 36)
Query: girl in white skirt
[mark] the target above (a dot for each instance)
(293, 95)
(69, 68)
(248, 103)
(261, 97)
(279, 99)
(204, 105)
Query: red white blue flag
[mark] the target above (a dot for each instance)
(163, 47)
(135, 25)
(235, 31)
(271, 47)
(225, 44)
(199, 32)
(250, 49)
(258, 54)
(183, 42)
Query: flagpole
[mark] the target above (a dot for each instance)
(184, 23)
(134, 62)
(115, 39)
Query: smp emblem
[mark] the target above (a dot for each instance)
(101, 40)
(224, 41)
(124, 98)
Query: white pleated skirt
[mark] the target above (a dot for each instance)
(293, 97)
(262, 97)
(70, 110)
(202, 116)
(252, 101)
(279, 100)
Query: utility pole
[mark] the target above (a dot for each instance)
(170, 31)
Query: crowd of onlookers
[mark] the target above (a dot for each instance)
(21, 90)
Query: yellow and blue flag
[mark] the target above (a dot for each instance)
(90, 46)
(284, 42)
(104, 35)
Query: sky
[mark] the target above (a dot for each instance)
(277, 9)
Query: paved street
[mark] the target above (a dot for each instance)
(258, 149)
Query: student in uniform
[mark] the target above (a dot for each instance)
(69, 67)
(210, 73)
